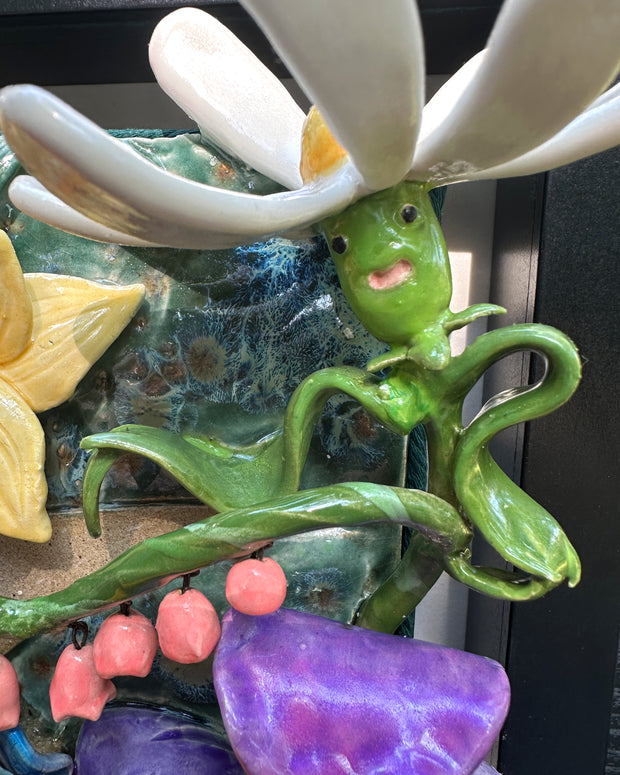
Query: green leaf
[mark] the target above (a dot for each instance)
(221, 476)
(520, 529)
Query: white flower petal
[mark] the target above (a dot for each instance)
(546, 61)
(35, 200)
(110, 183)
(595, 130)
(606, 96)
(443, 101)
(235, 100)
(362, 65)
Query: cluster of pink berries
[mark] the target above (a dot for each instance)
(187, 630)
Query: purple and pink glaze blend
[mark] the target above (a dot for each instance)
(302, 695)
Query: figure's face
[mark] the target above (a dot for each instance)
(392, 263)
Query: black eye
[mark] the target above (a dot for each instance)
(340, 244)
(408, 213)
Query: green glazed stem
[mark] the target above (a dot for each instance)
(415, 574)
(461, 471)
(156, 561)
(509, 519)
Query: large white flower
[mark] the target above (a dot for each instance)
(532, 100)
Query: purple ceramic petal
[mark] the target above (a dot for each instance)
(140, 741)
(302, 695)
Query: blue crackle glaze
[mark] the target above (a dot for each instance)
(218, 347)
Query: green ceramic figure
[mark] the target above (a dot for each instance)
(359, 170)
(369, 157)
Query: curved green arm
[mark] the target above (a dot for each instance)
(521, 530)
(399, 410)
(226, 477)
(505, 585)
(456, 320)
(464, 370)
(156, 561)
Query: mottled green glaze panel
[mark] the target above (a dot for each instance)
(218, 347)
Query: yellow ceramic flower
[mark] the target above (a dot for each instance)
(52, 329)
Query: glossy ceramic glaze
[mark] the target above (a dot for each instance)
(9, 695)
(425, 385)
(396, 272)
(461, 471)
(53, 329)
(77, 689)
(505, 112)
(221, 347)
(20, 758)
(132, 740)
(303, 694)
(505, 116)
(125, 644)
(256, 587)
(187, 625)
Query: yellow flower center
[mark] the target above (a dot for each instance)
(321, 153)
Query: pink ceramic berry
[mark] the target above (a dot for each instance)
(256, 587)
(126, 644)
(77, 689)
(188, 626)
(9, 695)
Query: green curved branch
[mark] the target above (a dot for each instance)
(505, 585)
(520, 529)
(462, 472)
(156, 561)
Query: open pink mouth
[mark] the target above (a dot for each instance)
(391, 277)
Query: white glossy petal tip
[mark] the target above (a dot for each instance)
(110, 183)
(545, 62)
(596, 129)
(235, 100)
(362, 65)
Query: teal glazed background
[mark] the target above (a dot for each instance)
(218, 347)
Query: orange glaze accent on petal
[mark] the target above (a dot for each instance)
(321, 153)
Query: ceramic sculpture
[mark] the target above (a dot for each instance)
(53, 329)
(359, 166)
